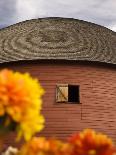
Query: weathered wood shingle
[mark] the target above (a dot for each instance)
(57, 38)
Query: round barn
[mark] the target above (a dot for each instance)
(75, 61)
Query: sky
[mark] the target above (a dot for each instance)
(102, 12)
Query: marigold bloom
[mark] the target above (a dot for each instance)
(89, 142)
(20, 102)
(42, 146)
(84, 143)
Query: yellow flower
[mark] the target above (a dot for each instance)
(20, 99)
(31, 123)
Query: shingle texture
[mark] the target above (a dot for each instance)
(57, 39)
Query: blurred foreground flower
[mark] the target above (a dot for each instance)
(20, 104)
(89, 142)
(85, 143)
(42, 146)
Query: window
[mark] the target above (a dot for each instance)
(67, 93)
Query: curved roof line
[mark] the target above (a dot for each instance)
(54, 18)
(57, 39)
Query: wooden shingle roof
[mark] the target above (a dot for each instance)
(57, 39)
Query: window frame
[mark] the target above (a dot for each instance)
(67, 85)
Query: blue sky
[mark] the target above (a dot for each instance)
(102, 12)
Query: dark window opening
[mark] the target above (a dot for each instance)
(73, 94)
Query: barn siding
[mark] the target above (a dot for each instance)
(97, 96)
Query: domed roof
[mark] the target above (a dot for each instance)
(57, 39)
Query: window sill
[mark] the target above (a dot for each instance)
(68, 103)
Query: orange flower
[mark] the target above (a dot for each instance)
(20, 102)
(90, 143)
(85, 143)
(42, 146)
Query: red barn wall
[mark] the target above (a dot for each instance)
(97, 96)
